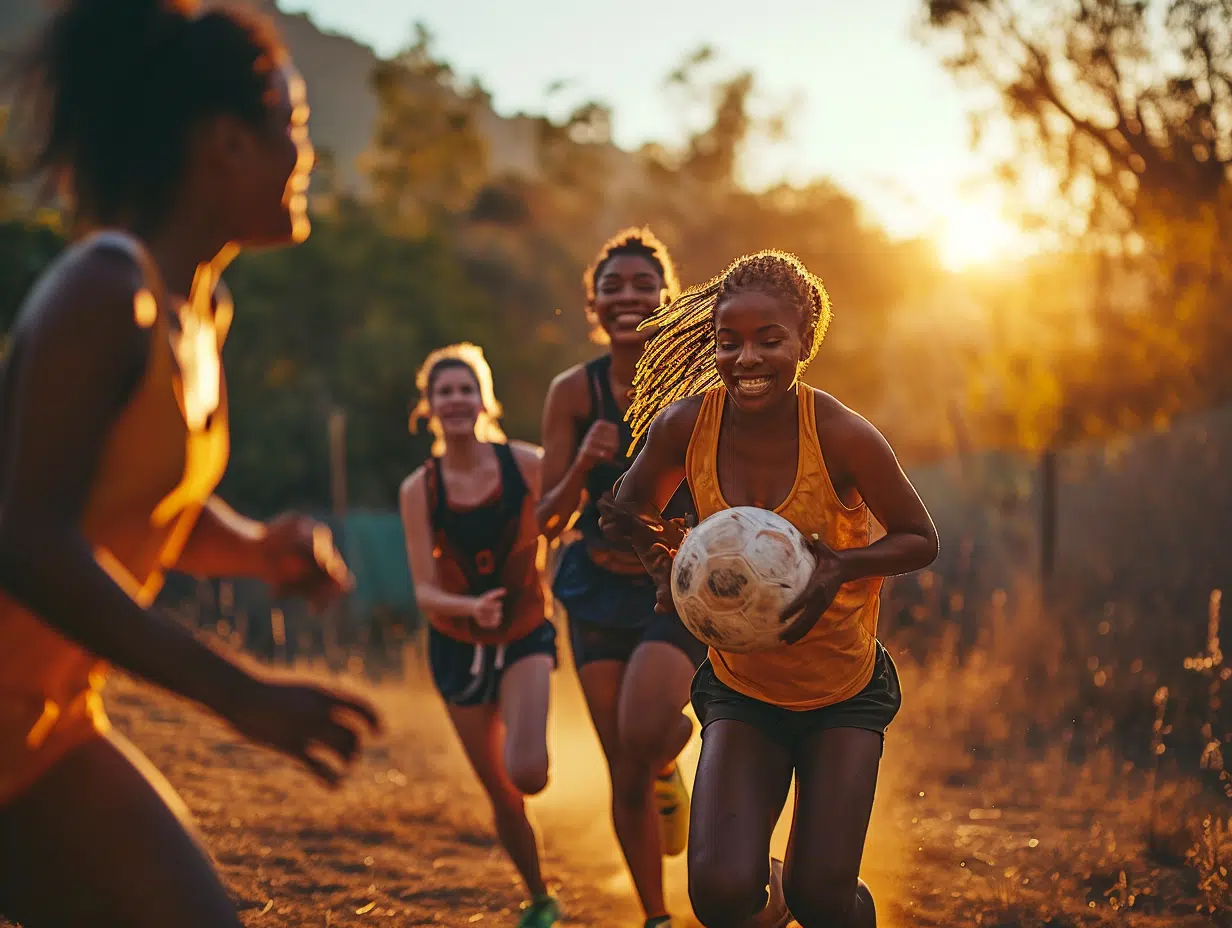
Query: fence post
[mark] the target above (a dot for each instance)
(336, 613)
(1048, 518)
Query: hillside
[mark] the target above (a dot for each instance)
(344, 108)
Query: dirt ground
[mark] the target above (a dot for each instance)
(407, 841)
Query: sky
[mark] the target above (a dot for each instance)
(873, 108)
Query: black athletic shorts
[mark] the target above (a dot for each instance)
(593, 642)
(611, 614)
(873, 708)
(470, 674)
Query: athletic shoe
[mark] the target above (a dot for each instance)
(672, 801)
(659, 921)
(541, 912)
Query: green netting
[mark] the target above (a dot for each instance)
(375, 549)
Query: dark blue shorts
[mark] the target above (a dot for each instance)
(611, 614)
(470, 674)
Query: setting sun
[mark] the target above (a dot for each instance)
(974, 232)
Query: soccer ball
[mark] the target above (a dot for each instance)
(735, 573)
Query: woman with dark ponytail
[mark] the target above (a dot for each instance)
(178, 136)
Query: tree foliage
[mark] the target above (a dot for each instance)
(447, 247)
(1127, 104)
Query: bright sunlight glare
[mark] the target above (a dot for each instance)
(973, 233)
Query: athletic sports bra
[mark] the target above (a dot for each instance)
(163, 457)
(494, 544)
(834, 661)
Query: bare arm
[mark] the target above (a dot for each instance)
(565, 463)
(78, 363)
(910, 542)
(635, 516)
(864, 458)
(530, 462)
(419, 551)
(563, 475)
(659, 468)
(224, 543)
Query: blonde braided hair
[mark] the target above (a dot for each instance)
(679, 360)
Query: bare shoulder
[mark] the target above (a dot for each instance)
(843, 431)
(525, 451)
(529, 458)
(90, 288)
(570, 391)
(673, 427)
(412, 484)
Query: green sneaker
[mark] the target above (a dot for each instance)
(659, 921)
(540, 912)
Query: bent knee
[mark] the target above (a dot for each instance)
(724, 893)
(642, 741)
(529, 774)
(819, 900)
(647, 736)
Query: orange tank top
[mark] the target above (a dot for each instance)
(163, 457)
(834, 661)
(494, 544)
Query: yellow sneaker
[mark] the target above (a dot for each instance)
(672, 801)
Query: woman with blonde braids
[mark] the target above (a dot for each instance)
(720, 394)
(473, 546)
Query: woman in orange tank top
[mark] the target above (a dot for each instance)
(473, 545)
(750, 433)
(182, 135)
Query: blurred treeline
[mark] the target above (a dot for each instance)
(1119, 322)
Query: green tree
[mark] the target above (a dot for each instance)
(1128, 105)
(428, 159)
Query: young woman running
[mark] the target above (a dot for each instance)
(635, 665)
(180, 135)
(473, 545)
(751, 433)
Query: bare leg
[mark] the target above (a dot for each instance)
(103, 839)
(742, 782)
(633, 811)
(525, 691)
(653, 694)
(653, 731)
(836, 778)
(482, 736)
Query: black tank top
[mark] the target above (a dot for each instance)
(479, 540)
(605, 474)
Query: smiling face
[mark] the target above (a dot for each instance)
(628, 289)
(455, 400)
(758, 347)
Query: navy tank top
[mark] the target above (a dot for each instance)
(603, 476)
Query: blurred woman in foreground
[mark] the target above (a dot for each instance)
(181, 136)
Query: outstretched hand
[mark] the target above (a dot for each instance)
(317, 726)
(624, 523)
(302, 560)
(658, 564)
(803, 612)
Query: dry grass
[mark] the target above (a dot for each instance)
(976, 823)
